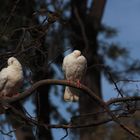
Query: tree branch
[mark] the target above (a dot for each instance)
(124, 99)
(86, 90)
(70, 125)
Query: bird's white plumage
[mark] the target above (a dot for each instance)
(74, 67)
(11, 78)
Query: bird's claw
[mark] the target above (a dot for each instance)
(78, 84)
(15, 95)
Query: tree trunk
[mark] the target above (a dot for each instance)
(86, 27)
(42, 101)
(43, 110)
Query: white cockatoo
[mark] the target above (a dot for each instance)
(74, 67)
(11, 78)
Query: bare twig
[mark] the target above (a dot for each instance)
(65, 134)
(124, 99)
(9, 17)
(87, 115)
(127, 80)
(115, 84)
(21, 40)
(82, 27)
(7, 133)
(30, 121)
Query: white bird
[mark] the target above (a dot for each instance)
(11, 78)
(74, 67)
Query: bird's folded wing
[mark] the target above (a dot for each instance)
(3, 79)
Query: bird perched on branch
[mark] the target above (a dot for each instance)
(11, 78)
(74, 67)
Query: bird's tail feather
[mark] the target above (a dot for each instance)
(71, 95)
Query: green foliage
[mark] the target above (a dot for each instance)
(114, 51)
(108, 31)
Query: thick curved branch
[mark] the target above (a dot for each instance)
(86, 90)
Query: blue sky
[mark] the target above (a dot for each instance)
(124, 16)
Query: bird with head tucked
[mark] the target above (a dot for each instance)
(74, 67)
(11, 78)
